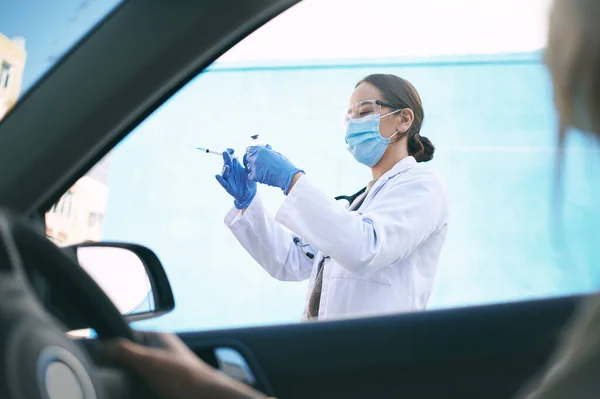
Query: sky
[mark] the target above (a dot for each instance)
(392, 28)
(338, 29)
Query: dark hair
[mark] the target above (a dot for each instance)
(402, 94)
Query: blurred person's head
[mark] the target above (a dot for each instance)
(573, 57)
(400, 116)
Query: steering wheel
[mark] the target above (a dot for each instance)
(37, 359)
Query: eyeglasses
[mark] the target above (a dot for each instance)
(365, 108)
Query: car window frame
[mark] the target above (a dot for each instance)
(120, 96)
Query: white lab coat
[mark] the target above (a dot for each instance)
(383, 258)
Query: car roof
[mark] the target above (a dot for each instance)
(123, 69)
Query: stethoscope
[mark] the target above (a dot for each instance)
(350, 200)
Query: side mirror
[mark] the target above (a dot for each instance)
(131, 276)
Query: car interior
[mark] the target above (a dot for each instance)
(487, 351)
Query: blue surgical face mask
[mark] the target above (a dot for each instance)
(365, 141)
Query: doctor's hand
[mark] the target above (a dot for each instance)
(172, 370)
(270, 167)
(234, 179)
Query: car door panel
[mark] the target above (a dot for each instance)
(480, 352)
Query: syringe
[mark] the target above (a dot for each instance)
(213, 152)
(206, 150)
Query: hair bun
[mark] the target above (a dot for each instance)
(428, 149)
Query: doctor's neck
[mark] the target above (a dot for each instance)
(395, 152)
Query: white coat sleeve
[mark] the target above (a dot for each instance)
(269, 243)
(400, 217)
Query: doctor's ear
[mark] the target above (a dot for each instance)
(405, 120)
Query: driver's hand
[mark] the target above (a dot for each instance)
(172, 370)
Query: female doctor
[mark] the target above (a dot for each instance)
(378, 256)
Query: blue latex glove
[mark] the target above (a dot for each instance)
(234, 179)
(269, 167)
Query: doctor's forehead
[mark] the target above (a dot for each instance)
(365, 91)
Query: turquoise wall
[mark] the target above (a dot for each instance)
(490, 117)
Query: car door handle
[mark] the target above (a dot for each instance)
(232, 363)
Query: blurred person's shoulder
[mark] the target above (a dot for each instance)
(574, 368)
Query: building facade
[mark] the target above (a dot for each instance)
(78, 215)
(12, 64)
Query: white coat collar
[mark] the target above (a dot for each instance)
(402, 166)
